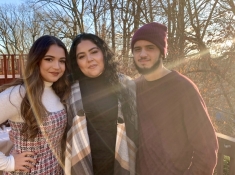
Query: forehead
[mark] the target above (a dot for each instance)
(143, 43)
(55, 50)
(85, 45)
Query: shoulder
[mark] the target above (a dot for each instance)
(75, 94)
(184, 82)
(123, 77)
(126, 81)
(11, 98)
(14, 92)
(75, 88)
(139, 79)
(185, 87)
(75, 85)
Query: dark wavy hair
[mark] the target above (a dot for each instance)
(110, 65)
(110, 72)
(32, 110)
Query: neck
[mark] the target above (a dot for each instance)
(47, 84)
(84, 77)
(160, 72)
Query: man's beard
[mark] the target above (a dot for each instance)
(145, 71)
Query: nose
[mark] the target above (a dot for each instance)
(143, 53)
(56, 65)
(90, 58)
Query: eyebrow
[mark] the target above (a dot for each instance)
(144, 46)
(150, 45)
(88, 50)
(50, 56)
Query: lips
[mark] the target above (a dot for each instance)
(55, 73)
(92, 66)
(143, 61)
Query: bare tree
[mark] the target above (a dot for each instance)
(72, 10)
(228, 5)
(18, 28)
(96, 8)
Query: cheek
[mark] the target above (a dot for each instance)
(63, 67)
(135, 59)
(102, 65)
(77, 63)
(101, 61)
(135, 56)
(41, 67)
(80, 64)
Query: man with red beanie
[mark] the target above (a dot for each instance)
(176, 136)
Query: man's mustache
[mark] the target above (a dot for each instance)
(143, 58)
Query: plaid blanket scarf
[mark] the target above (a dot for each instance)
(78, 159)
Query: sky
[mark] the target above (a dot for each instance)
(11, 1)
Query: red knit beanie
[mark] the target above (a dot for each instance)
(153, 32)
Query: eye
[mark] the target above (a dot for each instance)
(80, 57)
(48, 59)
(150, 47)
(62, 61)
(95, 51)
(137, 49)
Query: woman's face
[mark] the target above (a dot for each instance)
(89, 58)
(52, 65)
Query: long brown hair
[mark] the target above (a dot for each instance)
(32, 110)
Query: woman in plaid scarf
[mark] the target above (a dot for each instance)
(102, 125)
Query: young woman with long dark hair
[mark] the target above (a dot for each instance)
(101, 137)
(35, 109)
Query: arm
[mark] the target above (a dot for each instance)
(7, 163)
(201, 134)
(10, 102)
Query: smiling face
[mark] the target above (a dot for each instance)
(52, 65)
(90, 59)
(147, 56)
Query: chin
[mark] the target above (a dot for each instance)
(94, 76)
(53, 80)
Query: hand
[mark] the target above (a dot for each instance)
(23, 162)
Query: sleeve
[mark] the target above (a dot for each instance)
(10, 101)
(200, 133)
(7, 163)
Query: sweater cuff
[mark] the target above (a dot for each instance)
(11, 163)
(7, 163)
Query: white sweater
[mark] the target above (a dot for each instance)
(10, 101)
